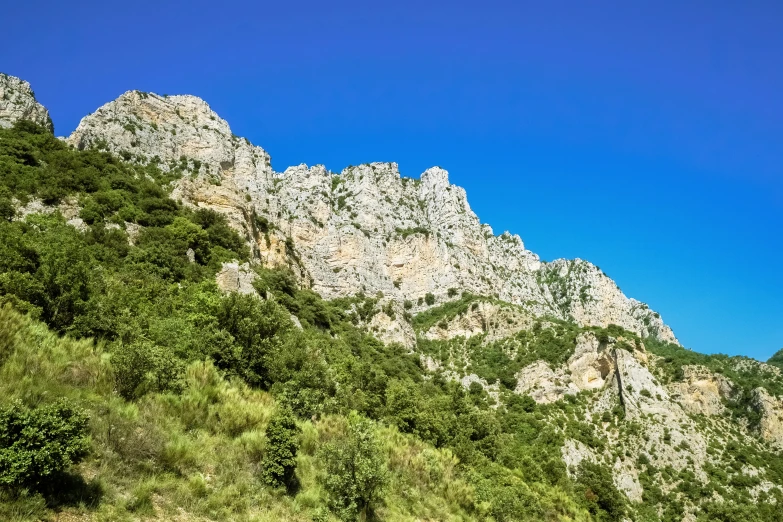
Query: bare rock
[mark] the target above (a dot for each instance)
(394, 328)
(771, 409)
(365, 230)
(495, 319)
(17, 102)
(234, 277)
(544, 384)
(590, 365)
(701, 391)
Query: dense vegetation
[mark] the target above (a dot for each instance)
(178, 385)
(745, 373)
(730, 451)
(777, 359)
(154, 394)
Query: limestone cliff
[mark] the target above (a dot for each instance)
(365, 230)
(369, 230)
(17, 102)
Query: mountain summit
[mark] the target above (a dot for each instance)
(208, 339)
(17, 102)
(366, 229)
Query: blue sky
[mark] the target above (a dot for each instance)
(646, 137)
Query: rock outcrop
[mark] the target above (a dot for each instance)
(617, 374)
(405, 241)
(771, 422)
(591, 365)
(701, 391)
(17, 102)
(234, 277)
(496, 320)
(389, 326)
(544, 384)
(365, 230)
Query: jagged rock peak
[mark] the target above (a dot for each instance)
(17, 102)
(436, 176)
(365, 230)
(174, 131)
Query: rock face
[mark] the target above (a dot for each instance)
(234, 277)
(17, 102)
(593, 366)
(701, 391)
(365, 230)
(389, 327)
(771, 423)
(544, 384)
(495, 319)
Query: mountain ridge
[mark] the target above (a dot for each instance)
(526, 401)
(368, 229)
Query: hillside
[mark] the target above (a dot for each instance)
(365, 230)
(187, 335)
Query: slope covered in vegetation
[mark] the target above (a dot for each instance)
(179, 381)
(162, 397)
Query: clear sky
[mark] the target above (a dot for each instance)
(646, 137)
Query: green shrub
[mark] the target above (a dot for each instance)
(405, 232)
(37, 444)
(355, 470)
(777, 359)
(142, 367)
(7, 209)
(279, 462)
(429, 299)
(600, 494)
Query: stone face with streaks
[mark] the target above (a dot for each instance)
(701, 391)
(367, 229)
(771, 423)
(234, 277)
(17, 102)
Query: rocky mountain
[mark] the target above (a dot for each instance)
(367, 229)
(17, 102)
(549, 354)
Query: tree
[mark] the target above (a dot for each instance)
(37, 444)
(401, 404)
(777, 359)
(143, 367)
(356, 473)
(279, 462)
(600, 494)
(7, 209)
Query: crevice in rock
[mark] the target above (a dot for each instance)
(618, 376)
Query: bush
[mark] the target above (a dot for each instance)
(777, 359)
(429, 299)
(600, 494)
(7, 209)
(143, 367)
(356, 473)
(279, 463)
(36, 444)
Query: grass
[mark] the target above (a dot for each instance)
(195, 455)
